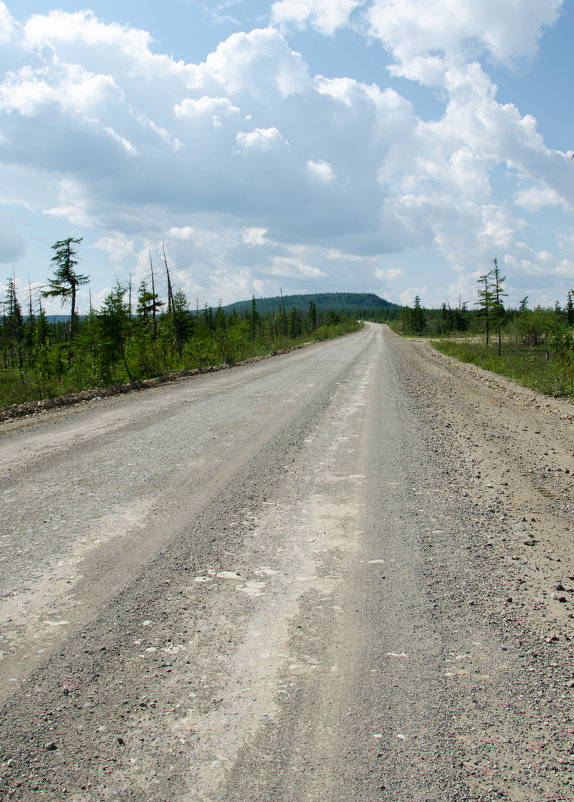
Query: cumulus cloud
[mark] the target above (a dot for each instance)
(237, 161)
(321, 170)
(7, 25)
(261, 139)
(422, 33)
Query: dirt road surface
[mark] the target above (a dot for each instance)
(341, 574)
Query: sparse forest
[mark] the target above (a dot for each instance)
(534, 347)
(135, 334)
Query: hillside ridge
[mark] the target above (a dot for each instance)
(336, 301)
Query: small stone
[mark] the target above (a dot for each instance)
(559, 598)
(121, 741)
(51, 746)
(530, 542)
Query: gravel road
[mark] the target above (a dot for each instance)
(344, 573)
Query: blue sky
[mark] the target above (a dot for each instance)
(390, 146)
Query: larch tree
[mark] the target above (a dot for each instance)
(485, 302)
(497, 281)
(65, 281)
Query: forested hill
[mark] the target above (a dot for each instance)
(351, 302)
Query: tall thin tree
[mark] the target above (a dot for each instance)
(65, 282)
(497, 281)
(484, 303)
(171, 306)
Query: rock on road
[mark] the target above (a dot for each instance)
(344, 573)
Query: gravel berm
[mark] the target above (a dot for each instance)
(344, 573)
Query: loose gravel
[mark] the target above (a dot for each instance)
(345, 573)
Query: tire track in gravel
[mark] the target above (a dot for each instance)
(114, 683)
(123, 479)
(356, 601)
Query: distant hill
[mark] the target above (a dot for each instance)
(366, 303)
(352, 302)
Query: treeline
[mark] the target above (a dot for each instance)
(135, 335)
(547, 329)
(532, 346)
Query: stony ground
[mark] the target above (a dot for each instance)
(342, 574)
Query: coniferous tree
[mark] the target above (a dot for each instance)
(13, 326)
(295, 323)
(312, 316)
(254, 319)
(170, 305)
(497, 281)
(148, 307)
(185, 320)
(219, 320)
(485, 302)
(65, 281)
(114, 322)
(418, 317)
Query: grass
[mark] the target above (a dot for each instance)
(44, 380)
(526, 366)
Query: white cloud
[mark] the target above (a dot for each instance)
(117, 246)
(324, 15)
(73, 203)
(247, 165)
(7, 25)
(534, 198)
(391, 274)
(293, 267)
(258, 65)
(321, 170)
(261, 139)
(212, 107)
(421, 32)
(408, 296)
(254, 236)
(185, 232)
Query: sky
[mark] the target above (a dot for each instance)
(295, 146)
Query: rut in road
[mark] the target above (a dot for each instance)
(304, 579)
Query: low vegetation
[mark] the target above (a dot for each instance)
(526, 365)
(534, 347)
(128, 340)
